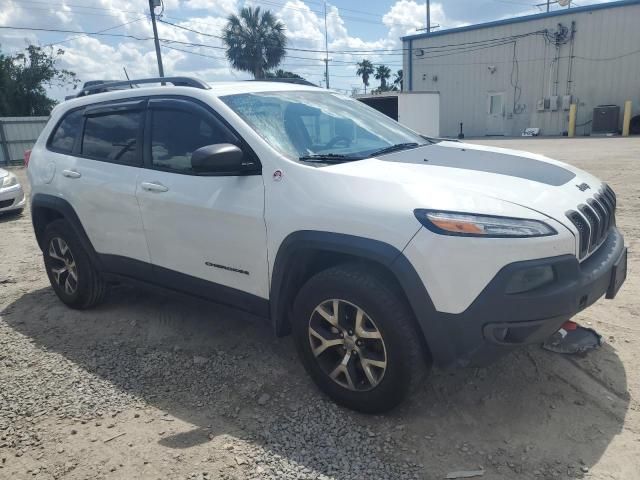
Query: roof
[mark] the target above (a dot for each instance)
(254, 86)
(525, 18)
(217, 89)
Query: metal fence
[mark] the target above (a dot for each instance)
(18, 134)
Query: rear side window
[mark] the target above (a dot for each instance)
(65, 133)
(176, 134)
(112, 137)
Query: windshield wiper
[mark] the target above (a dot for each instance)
(326, 158)
(394, 148)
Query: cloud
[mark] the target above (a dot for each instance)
(217, 7)
(407, 16)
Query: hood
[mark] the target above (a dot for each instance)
(452, 175)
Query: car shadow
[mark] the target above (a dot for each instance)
(531, 411)
(10, 216)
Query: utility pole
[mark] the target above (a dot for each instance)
(548, 4)
(152, 5)
(326, 47)
(428, 16)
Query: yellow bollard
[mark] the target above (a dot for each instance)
(572, 120)
(626, 120)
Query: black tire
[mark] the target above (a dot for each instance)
(364, 288)
(90, 288)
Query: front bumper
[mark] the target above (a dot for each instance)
(12, 198)
(497, 322)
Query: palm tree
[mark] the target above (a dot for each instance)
(255, 41)
(397, 79)
(383, 73)
(365, 70)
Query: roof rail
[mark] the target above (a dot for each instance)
(99, 86)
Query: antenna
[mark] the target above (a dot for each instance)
(127, 75)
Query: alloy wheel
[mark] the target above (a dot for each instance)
(347, 345)
(63, 266)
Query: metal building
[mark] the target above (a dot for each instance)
(18, 134)
(501, 77)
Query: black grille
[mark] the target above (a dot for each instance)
(610, 193)
(6, 203)
(594, 219)
(594, 223)
(602, 215)
(583, 231)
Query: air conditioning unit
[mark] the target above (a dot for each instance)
(605, 119)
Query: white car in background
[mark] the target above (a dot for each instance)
(11, 193)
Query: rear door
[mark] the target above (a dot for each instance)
(200, 228)
(98, 177)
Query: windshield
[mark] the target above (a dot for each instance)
(316, 124)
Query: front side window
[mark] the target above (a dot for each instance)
(176, 134)
(112, 137)
(300, 124)
(64, 136)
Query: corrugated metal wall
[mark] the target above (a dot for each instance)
(18, 134)
(605, 70)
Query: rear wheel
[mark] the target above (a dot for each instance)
(74, 279)
(356, 338)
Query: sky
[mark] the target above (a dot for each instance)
(356, 30)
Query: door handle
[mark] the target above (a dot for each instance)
(154, 187)
(71, 174)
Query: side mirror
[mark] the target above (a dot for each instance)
(220, 158)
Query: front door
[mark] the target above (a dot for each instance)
(206, 233)
(495, 113)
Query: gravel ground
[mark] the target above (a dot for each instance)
(152, 385)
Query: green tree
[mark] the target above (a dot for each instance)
(383, 73)
(398, 79)
(255, 41)
(365, 70)
(24, 78)
(282, 74)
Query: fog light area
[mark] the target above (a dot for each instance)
(530, 279)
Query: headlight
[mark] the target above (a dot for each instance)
(472, 225)
(9, 181)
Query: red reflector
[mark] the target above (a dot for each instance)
(569, 325)
(27, 157)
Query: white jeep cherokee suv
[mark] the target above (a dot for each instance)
(382, 251)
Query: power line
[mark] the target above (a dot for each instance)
(60, 30)
(164, 45)
(399, 51)
(100, 31)
(436, 49)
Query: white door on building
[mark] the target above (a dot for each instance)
(495, 113)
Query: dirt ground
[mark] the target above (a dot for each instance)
(151, 385)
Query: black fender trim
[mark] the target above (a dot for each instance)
(283, 281)
(66, 211)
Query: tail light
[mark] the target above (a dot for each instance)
(27, 157)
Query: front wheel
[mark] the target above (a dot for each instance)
(356, 338)
(72, 275)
